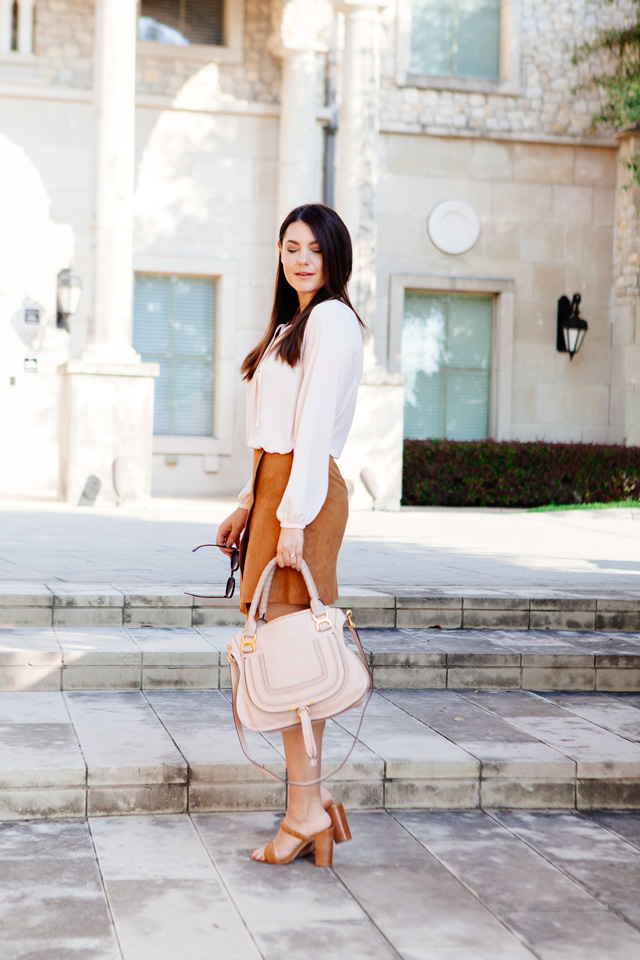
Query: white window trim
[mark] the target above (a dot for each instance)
(232, 51)
(502, 289)
(225, 375)
(510, 41)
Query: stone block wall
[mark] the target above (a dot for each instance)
(64, 35)
(63, 44)
(545, 104)
(547, 222)
(625, 330)
(256, 79)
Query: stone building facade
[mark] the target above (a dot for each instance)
(476, 193)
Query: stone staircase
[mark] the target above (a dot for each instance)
(115, 700)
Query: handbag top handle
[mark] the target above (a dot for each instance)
(263, 589)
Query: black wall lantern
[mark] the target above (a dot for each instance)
(571, 327)
(69, 290)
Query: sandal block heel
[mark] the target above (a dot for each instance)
(341, 831)
(320, 844)
(323, 843)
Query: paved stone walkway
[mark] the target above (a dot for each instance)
(501, 883)
(590, 550)
(411, 885)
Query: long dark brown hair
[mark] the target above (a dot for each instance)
(334, 241)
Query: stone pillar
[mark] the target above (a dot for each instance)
(25, 26)
(301, 29)
(358, 134)
(6, 14)
(381, 395)
(625, 328)
(109, 334)
(107, 394)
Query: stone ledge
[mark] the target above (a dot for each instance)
(134, 658)
(24, 605)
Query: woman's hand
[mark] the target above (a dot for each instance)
(290, 544)
(230, 530)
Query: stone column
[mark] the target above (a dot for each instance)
(25, 26)
(107, 394)
(381, 395)
(358, 135)
(625, 328)
(109, 334)
(298, 37)
(6, 14)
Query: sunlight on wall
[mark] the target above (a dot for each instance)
(172, 181)
(32, 250)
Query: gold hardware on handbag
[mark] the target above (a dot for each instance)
(296, 669)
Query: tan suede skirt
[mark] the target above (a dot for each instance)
(322, 538)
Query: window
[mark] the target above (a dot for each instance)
(14, 25)
(181, 22)
(17, 18)
(456, 38)
(446, 359)
(174, 325)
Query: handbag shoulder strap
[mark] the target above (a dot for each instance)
(243, 742)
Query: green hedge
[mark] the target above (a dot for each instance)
(484, 473)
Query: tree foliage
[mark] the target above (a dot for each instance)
(618, 78)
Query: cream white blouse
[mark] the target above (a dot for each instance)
(307, 409)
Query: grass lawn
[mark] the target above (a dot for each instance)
(616, 505)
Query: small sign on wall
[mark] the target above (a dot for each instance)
(31, 315)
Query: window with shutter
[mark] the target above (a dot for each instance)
(182, 22)
(459, 38)
(174, 325)
(446, 358)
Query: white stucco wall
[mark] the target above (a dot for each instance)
(44, 161)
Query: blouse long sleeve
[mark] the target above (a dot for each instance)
(244, 497)
(332, 366)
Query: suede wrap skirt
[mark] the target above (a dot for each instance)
(322, 537)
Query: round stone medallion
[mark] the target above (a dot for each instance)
(453, 226)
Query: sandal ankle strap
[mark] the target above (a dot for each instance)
(294, 833)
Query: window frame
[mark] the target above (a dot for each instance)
(231, 51)
(508, 83)
(501, 373)
(447, 369)
(224, 360)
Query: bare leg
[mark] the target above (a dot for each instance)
(305, 811)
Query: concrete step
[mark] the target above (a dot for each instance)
(56, 604)
(147, 658)
(97, 753)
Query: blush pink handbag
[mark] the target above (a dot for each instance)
(295, 669)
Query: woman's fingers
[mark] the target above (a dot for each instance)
(222, 536)
(230, 530)
(290, 548)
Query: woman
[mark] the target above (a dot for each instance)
(302, 379)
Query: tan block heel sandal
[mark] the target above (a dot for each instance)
(321, 844)
(341, 831)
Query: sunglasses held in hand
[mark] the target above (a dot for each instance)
(231, 582)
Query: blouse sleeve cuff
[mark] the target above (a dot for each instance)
(293, 526)
(244, 497)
